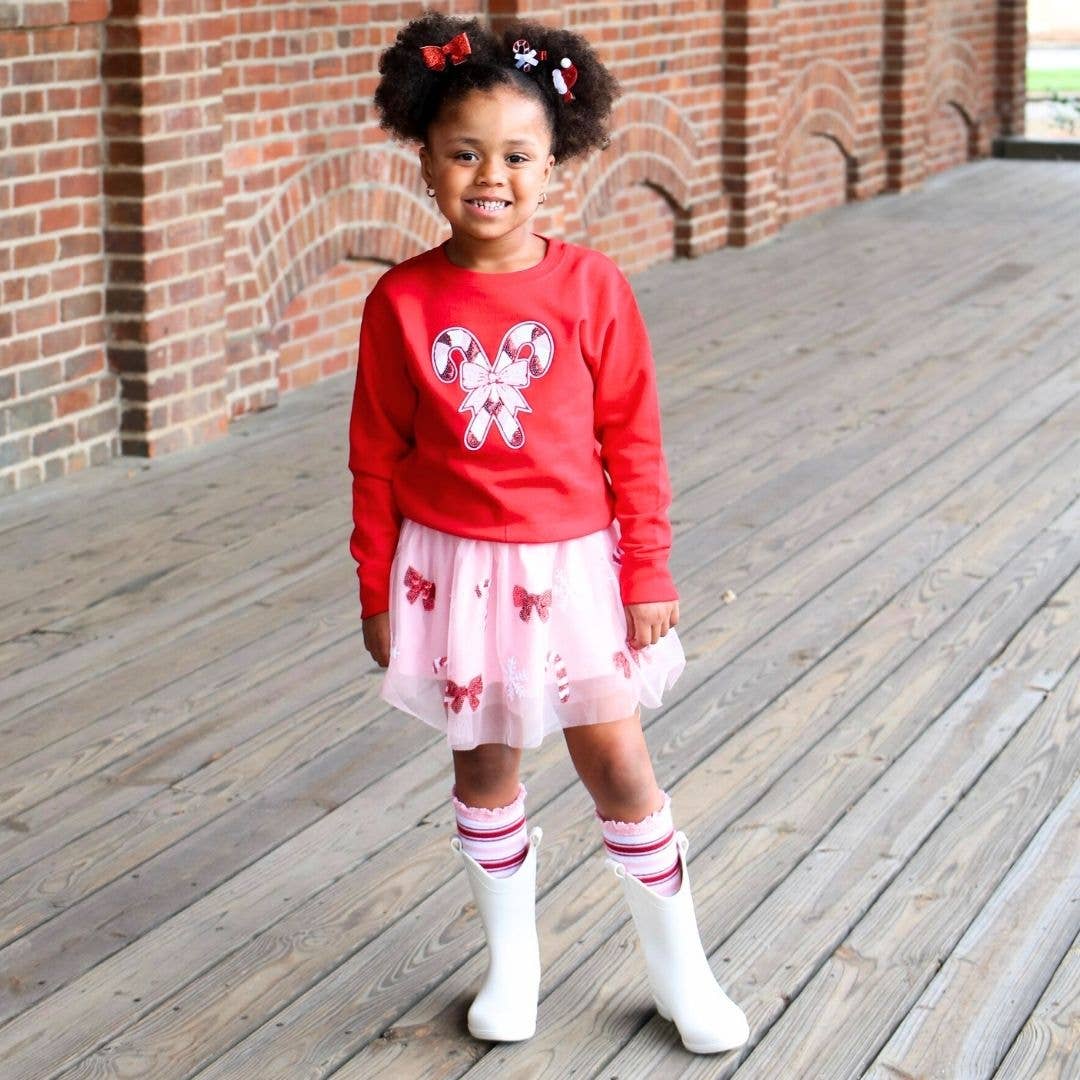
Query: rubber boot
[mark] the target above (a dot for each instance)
(505, 1008)
(681, 980)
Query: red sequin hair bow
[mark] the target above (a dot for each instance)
(457, 48)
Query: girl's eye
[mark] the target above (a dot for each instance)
(517, 159)
(464, 154)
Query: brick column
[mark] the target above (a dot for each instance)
(1010, 84)
(164, 232)
(904, 91)
(750, 123)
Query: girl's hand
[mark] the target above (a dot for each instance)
(377, 637)
(646, 624)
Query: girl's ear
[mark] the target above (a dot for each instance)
(425, 165)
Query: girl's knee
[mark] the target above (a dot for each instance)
(623, 776)
(487, 775)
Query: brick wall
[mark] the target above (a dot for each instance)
(195, 197)
(58, 397)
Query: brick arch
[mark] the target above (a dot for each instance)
(954, 78)
(955, 84)
(821, 101)
(367, 204)
(652, 144)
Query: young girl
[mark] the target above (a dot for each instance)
(510, 501)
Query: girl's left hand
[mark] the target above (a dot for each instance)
(646, 624)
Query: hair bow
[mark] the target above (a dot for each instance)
(457, 48)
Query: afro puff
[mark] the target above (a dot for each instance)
(559, 69)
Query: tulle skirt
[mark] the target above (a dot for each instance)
(494, 642)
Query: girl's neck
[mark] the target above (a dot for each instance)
(500, 256)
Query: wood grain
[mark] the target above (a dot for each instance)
(222, 856)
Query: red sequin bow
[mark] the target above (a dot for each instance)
(456, 695)
(419, 586)
(457, 48)
(527, 601)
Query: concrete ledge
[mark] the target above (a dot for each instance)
(1016, 146)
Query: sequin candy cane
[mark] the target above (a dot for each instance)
(493, 391)
(562, 683)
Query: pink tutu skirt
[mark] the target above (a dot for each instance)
(494, 642)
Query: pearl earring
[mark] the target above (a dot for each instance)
(431, 193)
(543, 197)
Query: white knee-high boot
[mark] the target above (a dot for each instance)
(681, 980)
(505, 1008)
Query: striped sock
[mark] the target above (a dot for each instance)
(497, 838)
(647, 849)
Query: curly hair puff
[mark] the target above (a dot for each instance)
(410, 95)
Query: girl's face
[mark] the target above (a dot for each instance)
(488, 157)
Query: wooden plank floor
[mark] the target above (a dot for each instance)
(222, 857)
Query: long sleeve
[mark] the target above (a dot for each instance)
(627, 419)
(380, 434)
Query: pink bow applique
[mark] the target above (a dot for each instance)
(456, 695)
(457, 48)
(527, 601)
(418, 587)
(622, 663)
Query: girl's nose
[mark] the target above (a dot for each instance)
(491, 172)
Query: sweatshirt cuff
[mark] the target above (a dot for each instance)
(374, 601)
(646, 583)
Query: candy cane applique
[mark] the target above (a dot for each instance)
(562, 683)
(493, 392)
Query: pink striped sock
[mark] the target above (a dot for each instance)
(647, 849)
(496, 839)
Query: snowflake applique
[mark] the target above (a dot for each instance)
(513, 679)
(560, 586)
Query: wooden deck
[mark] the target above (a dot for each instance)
(221, 857)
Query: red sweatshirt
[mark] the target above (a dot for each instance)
(490, 406)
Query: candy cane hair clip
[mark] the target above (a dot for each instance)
(525, 57)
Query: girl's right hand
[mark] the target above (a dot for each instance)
(377, 637)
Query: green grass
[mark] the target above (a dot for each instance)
(1064, 81)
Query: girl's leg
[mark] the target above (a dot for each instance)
(489, 805)
(500, 863)
(487, 775)
(640, 839)
(613, 762)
